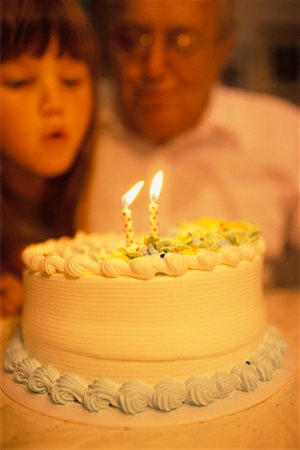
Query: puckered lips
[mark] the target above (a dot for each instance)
(55, 135)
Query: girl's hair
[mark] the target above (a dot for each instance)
(27, 27)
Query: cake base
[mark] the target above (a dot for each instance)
(114, 418)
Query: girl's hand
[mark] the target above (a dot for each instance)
(11, 295)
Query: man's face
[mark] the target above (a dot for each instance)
(166, 56)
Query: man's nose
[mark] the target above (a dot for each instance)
(51, 98)
(155, 61)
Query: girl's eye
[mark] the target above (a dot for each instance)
(18, 83)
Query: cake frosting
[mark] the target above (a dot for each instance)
(164, 322)
(134, 396)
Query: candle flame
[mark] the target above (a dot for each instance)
(156, 185)
(130, 195)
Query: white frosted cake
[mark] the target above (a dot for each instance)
(158, 324)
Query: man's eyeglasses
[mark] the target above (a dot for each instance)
(136, 42)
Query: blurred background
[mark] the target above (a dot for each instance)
(267, 56)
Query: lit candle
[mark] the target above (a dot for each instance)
(154, 194)
(127, 199)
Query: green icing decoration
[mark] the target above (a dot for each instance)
(209, 234)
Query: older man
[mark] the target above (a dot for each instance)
(224, 152)
(167, 55)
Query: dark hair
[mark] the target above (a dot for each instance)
(27, 27)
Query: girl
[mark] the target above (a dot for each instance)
(48, 74)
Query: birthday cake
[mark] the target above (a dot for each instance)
(157, 324)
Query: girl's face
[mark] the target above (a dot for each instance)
(46, 107)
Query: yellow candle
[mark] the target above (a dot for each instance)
(153, 217)
(154, 194)
(127, 219)
(127, 200)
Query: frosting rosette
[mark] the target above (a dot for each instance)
(247, 252)
(67, 388)
(24, 369)
(36, 261)
(134, 397)
(13, 357)
(207, 260)
(75, 266)
(264, 366)
(114, 267)
(79, 265)
(226, 383)
(247, 376)
(100, 394)
(277, 358)
(169, 394)
(42, 379)
(176, 264)
(230, 255)
(141, 268)
(273, 340)
(53, 264)
(201, 391)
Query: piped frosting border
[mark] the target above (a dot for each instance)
(202, 245)
(134, 396)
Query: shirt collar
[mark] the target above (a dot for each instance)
(212, 123)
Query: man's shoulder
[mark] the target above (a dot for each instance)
(245, 101)
(260, 122)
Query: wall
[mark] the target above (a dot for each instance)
(267, 57)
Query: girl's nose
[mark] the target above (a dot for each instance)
(51, 99)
